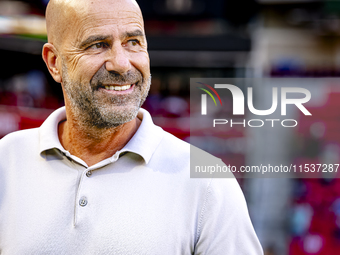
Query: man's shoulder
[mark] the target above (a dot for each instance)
(177, 149)
(172, 141)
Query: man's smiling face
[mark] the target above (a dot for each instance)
(105, 64)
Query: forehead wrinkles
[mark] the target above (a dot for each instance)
(106, 25)
(131, 14)
(97, 13)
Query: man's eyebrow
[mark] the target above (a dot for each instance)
(137, 32)
(94, 38)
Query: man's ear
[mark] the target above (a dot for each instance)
(50, 56)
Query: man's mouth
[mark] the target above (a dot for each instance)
(118, 88)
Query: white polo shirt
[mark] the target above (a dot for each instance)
(139, 201)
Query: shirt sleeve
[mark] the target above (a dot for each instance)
(224, 225)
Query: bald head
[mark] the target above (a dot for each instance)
(62, 16)
(58, 13)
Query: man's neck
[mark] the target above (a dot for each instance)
(93, 145)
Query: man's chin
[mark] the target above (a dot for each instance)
(118, 116)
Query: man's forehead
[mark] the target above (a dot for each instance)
(100, 12)
(76, 15)
(104, 21)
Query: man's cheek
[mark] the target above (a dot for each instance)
(142, 61)
(86, 72)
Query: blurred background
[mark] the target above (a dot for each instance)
(215, 38)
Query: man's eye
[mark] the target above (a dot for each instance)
(99, 45)
(134, 42)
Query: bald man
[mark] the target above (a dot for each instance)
(98, 177)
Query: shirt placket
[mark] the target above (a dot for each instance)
(83, 194)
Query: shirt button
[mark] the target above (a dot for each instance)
(88, 173)
(83, 201)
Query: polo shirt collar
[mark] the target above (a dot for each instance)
(48, 131)
(144, 142)
(147, 138)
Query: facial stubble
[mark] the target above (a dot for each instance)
(97, 109)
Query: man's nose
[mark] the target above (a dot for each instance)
(118, 60)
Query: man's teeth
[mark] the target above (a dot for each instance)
(118, 88)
